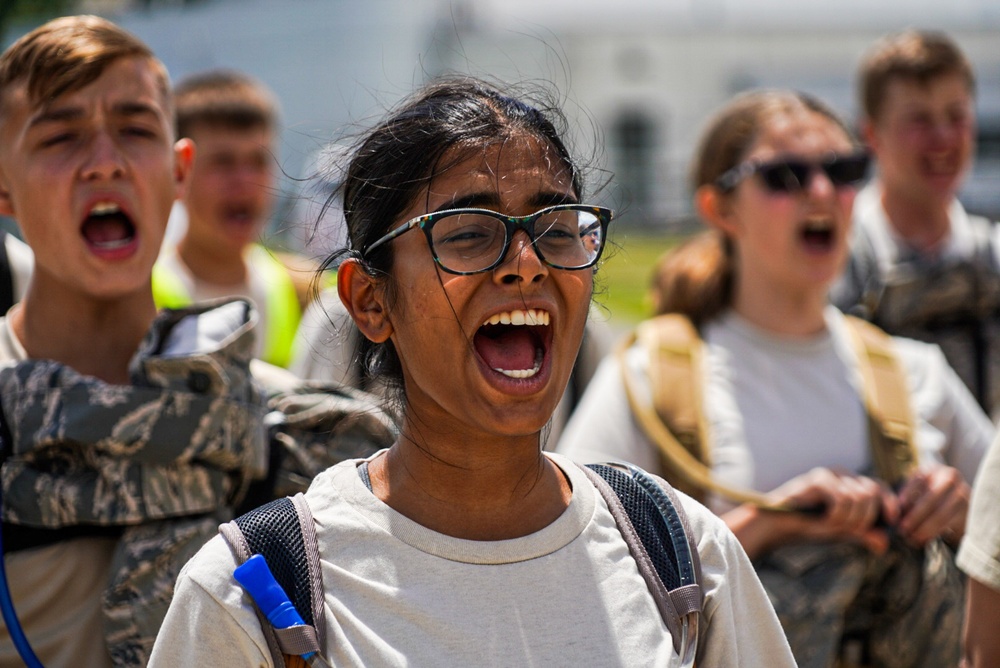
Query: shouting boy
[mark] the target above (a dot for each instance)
(127, 436)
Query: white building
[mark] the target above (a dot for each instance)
(643, 73)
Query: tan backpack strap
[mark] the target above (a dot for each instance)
(675, 361)
(886, 397)
(674, 349)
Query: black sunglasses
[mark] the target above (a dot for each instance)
(792, 175)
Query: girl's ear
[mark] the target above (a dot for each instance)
(364, 300)
(715, 208)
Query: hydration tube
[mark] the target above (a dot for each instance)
(271, 599)
(17, 636)
(689, 640)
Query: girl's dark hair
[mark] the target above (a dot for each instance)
(396, 160)
(697, 278)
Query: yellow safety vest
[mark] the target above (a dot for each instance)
(283, 310)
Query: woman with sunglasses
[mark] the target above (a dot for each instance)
(470, 273)
(861, 568)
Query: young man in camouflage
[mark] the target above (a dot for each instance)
(920, 266)
(127, 436)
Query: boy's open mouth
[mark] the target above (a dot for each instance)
(239, 214)
(514, 343)
(107, 227)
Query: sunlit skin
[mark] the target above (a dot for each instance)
(109, 142)
(468, 462)
(781, 286)
(229, 197)
(980, 641)
(924, 140)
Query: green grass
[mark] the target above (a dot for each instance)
(624, 277)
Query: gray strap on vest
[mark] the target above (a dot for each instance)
(672, 605)
(296, 640)
(689, 598)
(241, 551)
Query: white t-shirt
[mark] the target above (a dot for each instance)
(399, 594)
(979, 554)
(22, 263)
(776, 407)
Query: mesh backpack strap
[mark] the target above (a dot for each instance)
(283, 532)
(655, 529)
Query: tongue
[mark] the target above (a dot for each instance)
(509, 348)
(106, 229)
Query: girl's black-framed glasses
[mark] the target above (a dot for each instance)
(470, 241)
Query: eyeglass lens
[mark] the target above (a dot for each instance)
(794, 175)
(469, 242)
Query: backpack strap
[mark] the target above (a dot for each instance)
(886, 396)
(655, 528)
(674, 420)
(283, 532)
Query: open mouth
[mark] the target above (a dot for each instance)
(514, 343)
(818, 234)
(941, 166)
(239, 214)
(108, 228)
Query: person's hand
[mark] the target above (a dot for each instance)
(934, 501)
(839, 506)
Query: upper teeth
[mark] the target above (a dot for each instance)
(520, 317)
(818, 225)
(104, 208)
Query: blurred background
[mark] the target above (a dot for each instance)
(637, 79)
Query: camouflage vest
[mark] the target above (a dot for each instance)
(953, 302)
(158, 463)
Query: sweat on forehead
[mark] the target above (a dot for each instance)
(487, 163)
(67, 54)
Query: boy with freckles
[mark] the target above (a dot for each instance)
(127, 435)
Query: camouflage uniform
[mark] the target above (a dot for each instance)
(313, 426)
(840, 602)
(953, 300)
(164, 459)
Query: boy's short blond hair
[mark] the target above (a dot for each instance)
(918, 56)
(67, 54)
(224, 99)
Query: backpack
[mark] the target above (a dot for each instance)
(645, 508)
(675, 421)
